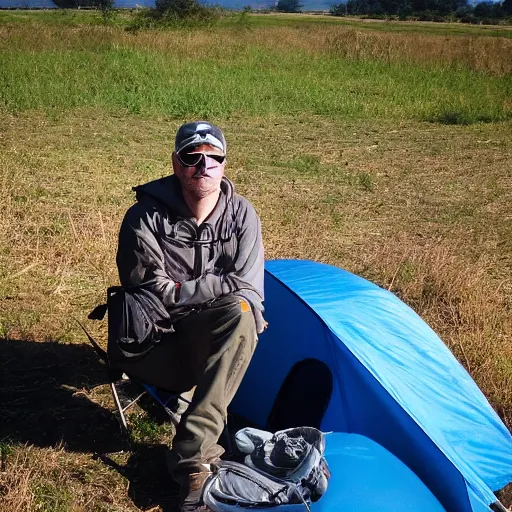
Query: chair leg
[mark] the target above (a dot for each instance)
(119, 408)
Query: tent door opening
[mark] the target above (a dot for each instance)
(303, 397)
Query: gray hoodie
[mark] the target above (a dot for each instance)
(162, 249)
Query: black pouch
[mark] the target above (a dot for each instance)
(137, 319)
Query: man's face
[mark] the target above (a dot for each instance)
(199, 170)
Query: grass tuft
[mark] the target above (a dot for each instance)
(49, 497)
(365, 181)
(146, 430)
(452, 117)
(457, 117)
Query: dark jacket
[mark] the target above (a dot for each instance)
(162, 249)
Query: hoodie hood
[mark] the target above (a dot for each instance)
(167, 191)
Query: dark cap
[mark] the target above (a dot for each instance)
(199, 132)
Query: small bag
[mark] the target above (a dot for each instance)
(299, 478)
(137, 319)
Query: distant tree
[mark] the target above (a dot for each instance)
(288, 6)
(465, 14)
(105, 5)
(66, 4)
(435, 6)
(365, 7)
(390, 6)
(167, 13)
(338, 9)
(357, 7)
(507, 7)
(489, 10)
(483, 9)
(498, 11)
(180, 9)
(74, 4)
(405, 11)
(427, 9)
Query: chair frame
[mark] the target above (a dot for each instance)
(162, 397)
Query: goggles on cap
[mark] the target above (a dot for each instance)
(194, 159)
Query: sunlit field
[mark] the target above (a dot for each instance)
(381, 148)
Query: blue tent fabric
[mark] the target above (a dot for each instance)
(394, 380)
(387, 484)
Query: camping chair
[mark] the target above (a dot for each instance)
(168, 400)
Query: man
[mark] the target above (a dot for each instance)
(196, 245)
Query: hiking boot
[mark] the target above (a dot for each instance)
(193, 499)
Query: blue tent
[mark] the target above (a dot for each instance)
(394, 383)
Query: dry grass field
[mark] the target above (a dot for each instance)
(413, 197)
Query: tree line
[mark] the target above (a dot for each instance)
(426, 10)
(429, 10)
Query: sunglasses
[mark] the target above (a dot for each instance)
(193, 159)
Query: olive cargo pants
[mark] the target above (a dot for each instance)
(211, 349)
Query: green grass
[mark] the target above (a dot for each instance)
(50, 497)
(145, 430)
(257, 81)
